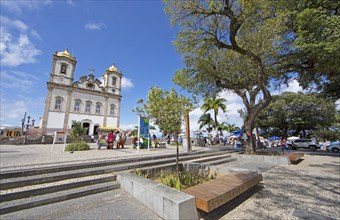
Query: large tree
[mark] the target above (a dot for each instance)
(296, 112)
(242, 46)
(214, 104)
(313, 46)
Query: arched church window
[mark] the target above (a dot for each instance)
(114, 81)
(58, 102)
(112, 109)
(63, 68)
(88, 106)
(77, 103)
(98, 107)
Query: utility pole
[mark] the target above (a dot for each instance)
(187, 130)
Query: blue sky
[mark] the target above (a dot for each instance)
(134, 35)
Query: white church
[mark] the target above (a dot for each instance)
(92, 102)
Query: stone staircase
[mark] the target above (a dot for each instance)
(29, 188)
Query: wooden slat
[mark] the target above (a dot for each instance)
(214, 193)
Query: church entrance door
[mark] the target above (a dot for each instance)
(87, 127)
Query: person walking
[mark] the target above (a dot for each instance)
(284, 145)
(154, 137)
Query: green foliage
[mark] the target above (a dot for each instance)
(139, 172)
(183, 180)
(78, 130)
(249, 46)
(297, 112)
(214, 104)
(204, 120)
(167, 108)
(318, 44)
(328, 135)
(78, 146)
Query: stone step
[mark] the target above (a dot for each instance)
(220, 161)
(61, 167)
(49, 198)
(41, 189)
(11, 183)
(210, 158)
(30, 188)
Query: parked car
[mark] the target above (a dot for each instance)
(304, 143)
(334, 147)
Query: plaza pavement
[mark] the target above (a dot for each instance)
(307, 190)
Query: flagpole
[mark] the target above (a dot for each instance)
(138, 141)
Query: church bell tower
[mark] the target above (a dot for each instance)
(63, 67)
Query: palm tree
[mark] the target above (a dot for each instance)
(206, 119)
(227, 127)
(214, 104)
(232, 127)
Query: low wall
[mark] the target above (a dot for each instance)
(166, 202)
(280, 160)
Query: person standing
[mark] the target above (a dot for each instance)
(122, 140)
(92, 138)
(43, 139)
(110, 139)
(284, 145)
(154, 137)
(118, 137)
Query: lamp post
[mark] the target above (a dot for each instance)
(26, 126)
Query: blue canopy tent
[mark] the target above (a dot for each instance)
(237, 132)
(274, 138)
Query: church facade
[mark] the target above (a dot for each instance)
(92, 102)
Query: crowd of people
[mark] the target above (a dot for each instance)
(111, 139)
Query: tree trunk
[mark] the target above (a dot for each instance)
(259, 143)
(248, 128)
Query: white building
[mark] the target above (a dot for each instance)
(88, 100)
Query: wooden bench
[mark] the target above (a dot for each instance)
(215, 193)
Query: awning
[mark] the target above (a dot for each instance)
(104, 128)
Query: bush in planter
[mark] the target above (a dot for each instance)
(78, 146)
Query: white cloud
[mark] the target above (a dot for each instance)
(293, 86)
(194, 116)
(127, 83)
(71, 3)
(15, 45)
(16, 80)
(12, 110)
(18, 7)
(128, 127)
(94, 26)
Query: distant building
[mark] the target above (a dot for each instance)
(88, 100)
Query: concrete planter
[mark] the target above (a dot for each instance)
(166, 202)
